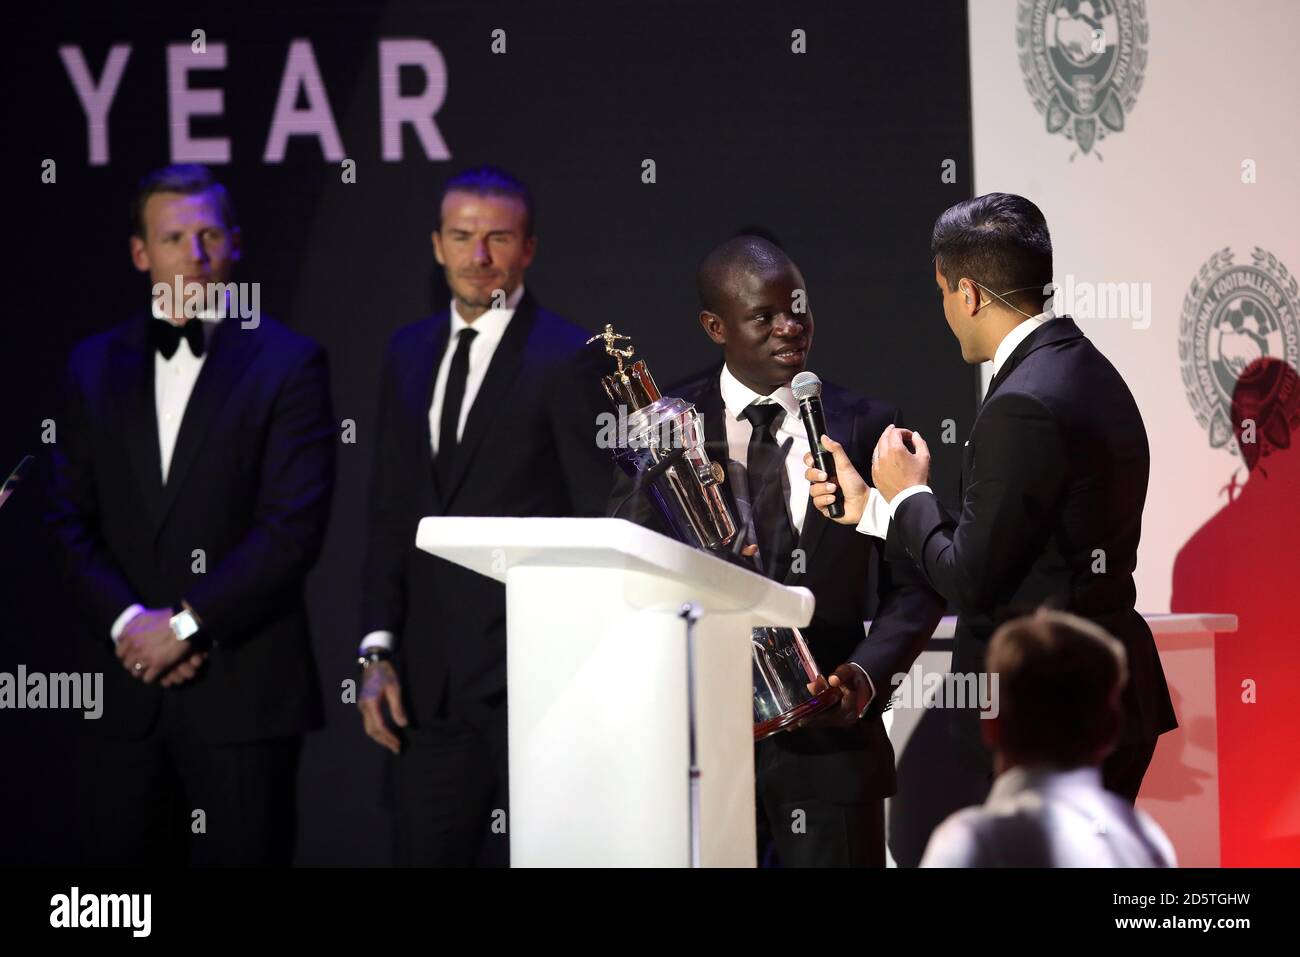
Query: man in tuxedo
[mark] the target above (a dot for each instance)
(838, 768)
(1054, 474)
(488, 407)
(193, 469)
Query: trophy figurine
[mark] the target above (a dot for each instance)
(664, 454)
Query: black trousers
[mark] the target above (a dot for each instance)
(170, 799)
(453, 794)
(1124, 768)
(816, 804)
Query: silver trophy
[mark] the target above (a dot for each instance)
(664, 455)
(788, 686)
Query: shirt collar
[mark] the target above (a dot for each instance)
(1016, 336)
(206, 315)
(493, 322)
(737, 397)
(1040, 778)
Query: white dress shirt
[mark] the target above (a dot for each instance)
(173, 381)
(1017, 335)
(878, 513)
(736, 398)
(1044, 817)
(491, 328)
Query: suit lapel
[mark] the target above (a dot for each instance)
(425, 374)
(1008, 367)
(133, 370)
(417, 392)
(1059, 329)
(492, 393)
(713, 417)
(998, 379)
(229, 354)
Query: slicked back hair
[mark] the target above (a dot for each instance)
(999, 240)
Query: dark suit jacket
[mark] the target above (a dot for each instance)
(249, 484)
(1054, 478)
(846, 574)
(528, 449)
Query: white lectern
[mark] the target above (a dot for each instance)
(599, 715)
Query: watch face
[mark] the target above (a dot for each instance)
(183, 625)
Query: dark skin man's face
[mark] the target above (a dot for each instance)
(765, 340)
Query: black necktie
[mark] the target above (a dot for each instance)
(166, 338)
(767, 497)
(452, 398)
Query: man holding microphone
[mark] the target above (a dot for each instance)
(1054, 474)
(821, 789)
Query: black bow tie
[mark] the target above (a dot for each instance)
(166, 338)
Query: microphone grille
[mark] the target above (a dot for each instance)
(806, 385)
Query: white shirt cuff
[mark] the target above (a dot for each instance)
(904, 495)
(864, 705)
(875, 517)
(378, 639)
(124, 619)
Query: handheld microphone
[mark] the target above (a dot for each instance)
(807, 390)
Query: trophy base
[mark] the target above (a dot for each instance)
(824, 701)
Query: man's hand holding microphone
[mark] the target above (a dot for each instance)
(901, 460)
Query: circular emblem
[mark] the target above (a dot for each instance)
(1234, 315)
(1083, 62)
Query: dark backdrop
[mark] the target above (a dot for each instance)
(838, 152)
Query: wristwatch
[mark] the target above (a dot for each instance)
(368, 656)
(184, 625)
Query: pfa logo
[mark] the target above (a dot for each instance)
(1232, 316)
(1083, 63)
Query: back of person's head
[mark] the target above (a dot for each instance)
(999, 240)
(1059, 681)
